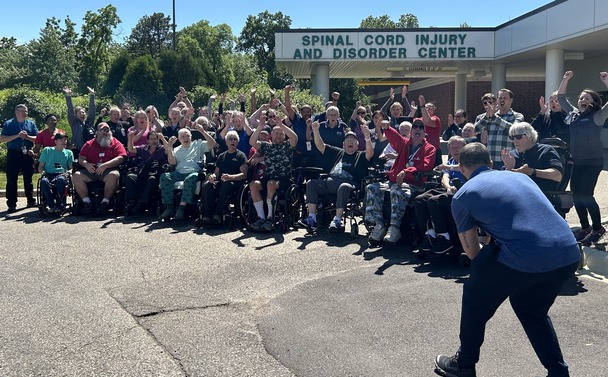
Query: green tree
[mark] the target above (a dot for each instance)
(117, 70)
(151, 35)
(180, 68)
(92, 50)
(142, 83)
(214, 44)
(51, 65)
(257, 38)
(13, 64)
(384, 22)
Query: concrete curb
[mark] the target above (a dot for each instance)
(596, 260)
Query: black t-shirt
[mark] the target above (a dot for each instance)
(230, 163)
(540, 156)
(355, 165)
(120, 130)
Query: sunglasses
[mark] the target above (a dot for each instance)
(419, 126)
(104, 130)
(518, 137)
(270, 116)
(458, 116)
(361, 112)
(232, 138)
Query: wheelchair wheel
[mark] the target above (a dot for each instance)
(293, 205)
(354, 228)
(244, 205)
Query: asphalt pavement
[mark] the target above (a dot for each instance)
(131, 297)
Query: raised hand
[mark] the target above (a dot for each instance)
(421, 100)
(392, 93)
(568, 75)
(543, 105)
(335, 96)
(403, 91)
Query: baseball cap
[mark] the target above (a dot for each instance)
(59, 135)
(350, 133)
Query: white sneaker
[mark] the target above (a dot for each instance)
(377, 233)
(393, 235)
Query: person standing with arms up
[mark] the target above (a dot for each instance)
(585, 122)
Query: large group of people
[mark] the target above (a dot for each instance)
(209, 154)
(263, 149)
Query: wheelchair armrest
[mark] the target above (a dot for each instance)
(310, 169)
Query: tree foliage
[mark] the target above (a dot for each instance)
(93, 46)
(151, 35)
(142, 83)
(407, 20)
(257, 38)
(51, 64)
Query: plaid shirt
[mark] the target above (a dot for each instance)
(498, 131)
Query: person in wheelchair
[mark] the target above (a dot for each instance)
(278, 157)
(55, 163)
(142, 182)
(540, 162)
(433, 206)
(100, 159)
(185, 158)
(230, 174)
(347, 167)
(414, 155)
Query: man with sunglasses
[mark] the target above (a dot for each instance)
(455, 124)
(414, 155)
(494, 124)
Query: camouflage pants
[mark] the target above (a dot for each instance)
(374, 194)
(167, 181)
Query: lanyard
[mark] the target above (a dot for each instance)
(413, 152)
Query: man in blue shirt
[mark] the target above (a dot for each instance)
(529, 267)
(19, 135)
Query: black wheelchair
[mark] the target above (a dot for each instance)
(233, 212)
(96, 191)
(287, 206)
(64, 197)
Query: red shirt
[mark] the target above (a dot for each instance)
(422, 160)
(95, 154)
(45, 138)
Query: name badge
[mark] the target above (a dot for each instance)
(102, 154)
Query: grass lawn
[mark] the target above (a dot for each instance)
(19, 182)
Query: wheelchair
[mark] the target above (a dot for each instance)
(63, 196)
(326, 207)
(192, 210)
(410, 232)
(96, 190)
(560, 198)
(287, 206)
(234, 208)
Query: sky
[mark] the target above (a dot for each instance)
(30, 17)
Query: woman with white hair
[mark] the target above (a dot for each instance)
(538, 161)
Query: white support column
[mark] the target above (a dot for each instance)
(321, 80)
(499, 77)
(313, 83)
(554, 71)
(460, 92)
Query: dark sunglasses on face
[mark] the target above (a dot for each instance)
(518, 137)
(419, 126)
(270, 116)
(361, 112)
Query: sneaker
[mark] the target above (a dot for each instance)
(257, 225)
(594, 236)
(441, 245)
(336, 226)
(167, 214)
(308, 223)
(180, 214)
(448, 366)
(427, 244)
(103, 208)
(582, 233)
(32, 203)
(11, 209)
(393, 234)
(217, 220)
(268, 225)
(87, 208)
(377, 234)
(48, 210)
(59, 208)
